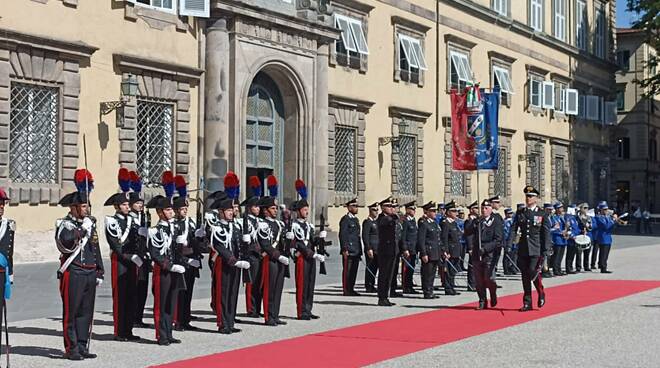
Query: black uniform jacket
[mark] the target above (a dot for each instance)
(349, 235)
(428, 239)
(534, 228)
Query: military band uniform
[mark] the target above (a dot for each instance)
(429, 245)
(604, 225)
(350, 242)
(370, 242)
(305, 255)
(559, 242)
(270, 234)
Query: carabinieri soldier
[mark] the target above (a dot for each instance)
(409, 247)
(496, 204)
(225, 240)
(429, 246)
(350, 246)
(252, 252)
(486, 239)
(81, 267)
(370, 243)
(468, 231)
(124, 259)
(389, 235)
(138, 239)
(7, 231)
(532, 226)
(451, 246)
(211, 218)
(192, 242)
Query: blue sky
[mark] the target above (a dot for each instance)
(623, 18)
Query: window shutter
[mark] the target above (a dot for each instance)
(548, 95)
(343, 24)
(358, 34)
(571, 107)
(592, 110)
(195, 8)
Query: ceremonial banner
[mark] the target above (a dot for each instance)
(474, 133)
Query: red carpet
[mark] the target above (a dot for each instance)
(377, 341)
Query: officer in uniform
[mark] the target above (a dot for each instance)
(451, 246)
(252, 252)
(225, 238)
(211, 218)
(486, 238)
(496, 203)
(430, 248)
(370, 243)
(138, 240)
(533, 226)
(81, 267)
(409, 246)
(388, 248)
(560, 233)
(468, 231)
(124, 259)
(350, 246)
(7, 231)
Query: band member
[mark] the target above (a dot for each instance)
(225, 239)
(409, 247)
(460, 221)
(485, 239)
(270, 235)
(442, 210)
(191, 242)
(586, 228)
(560, 233)
(469, 230)
(451, 246)
(430, 248)
(81, 267)
(370, 243)
(7, 231)
(350, 246)
(574, 230)
(168, 269)
(532, 226)
(303, 237)
(604, 224)
(124, 259)
(509, 253)
(389, 236)
(138, 239)
(252, 252)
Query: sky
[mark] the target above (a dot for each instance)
(623, 17)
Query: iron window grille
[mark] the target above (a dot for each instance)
(534, 163)
(155, 131)
(407, 166)
(559, 178)
(500, 185)
(345, 160)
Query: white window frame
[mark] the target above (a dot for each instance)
(352, 25)
(500, 7)
(571, 95)
(503, 78)
(536, 15)
(560, 96)
(581, 25)
(205, 13)
(559, 25)
(461, 61)
(172, 10)
(548, 95)
(592, 107)
(412, 50)
(538, 82)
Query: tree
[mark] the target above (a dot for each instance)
(649, 22)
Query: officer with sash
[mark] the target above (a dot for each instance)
(350, 246)
(409, 247)
(370, 243)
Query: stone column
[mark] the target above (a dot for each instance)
(216, 122)
(321, 131)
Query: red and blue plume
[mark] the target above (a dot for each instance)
(301, 188)
(255, 185)
(271, 183)
(83, 180)
(124, 179)
(181, 186)
(168, 183)
(232, 186)
(136, 182)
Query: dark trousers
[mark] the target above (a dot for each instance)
(559, 256)
(165, 298)
(349, 272)
(78, 290)
(372, 265)
(272, 285)
(305, 282)
(604, 255)
(386, 268)
(497, 254)
(530, 268)
(141, 291)
(124, 296)
(227, 280)
(395, 274)
(450, 274)
(571, 252)
(483, 277)
(585, 256)
(594, 255)
(407, 273)
(470, 273)
(429, 269)
(212, 254)
(252, 280)
(183, 313)
(578, 259)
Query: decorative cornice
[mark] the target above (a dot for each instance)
(72, 49)
(403, 112)
(407, 23)
(536, 69)
(450, 38)
(183, 72)
(507, 132)
(560, 77)
(560, 142)
(358, 6)
(536, 137)
(348, 102)
(502, 57)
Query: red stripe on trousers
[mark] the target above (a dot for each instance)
(248, 297)
(344, 260)
(218, 292)
(265, 284)
(538, 283)
(64, 289)
(300, 284)
(115, 292)
(403, 273)
(156, 286)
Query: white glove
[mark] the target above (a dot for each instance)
(11, 278)
(246, 238)
(87, 224)
(178, 269)
(137, 260)
(242, 264)
(289, 235)
(283, 260)
(99, 282)
(200, 233)
(143, 232)
(181, 240)
(319, 257)
(194, 262)
(323, 234)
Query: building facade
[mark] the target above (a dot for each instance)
(635, 164)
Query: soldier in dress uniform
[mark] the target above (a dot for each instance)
(81, 267)
(301, 233)
(533, 228)
(409, 247)
(7, 231)
(211, 218)
(225, 239)
(468, 231)
(430, 248)
(560, 233)
(451, 246)
(370, 243)
(124, 259)
(350, 247)
(389, 236)
(138, 240)
(486, 238)
(496, 203)
(192, 243)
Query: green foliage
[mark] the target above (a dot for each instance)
(649, 21)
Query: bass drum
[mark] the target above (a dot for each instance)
(583, 242)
